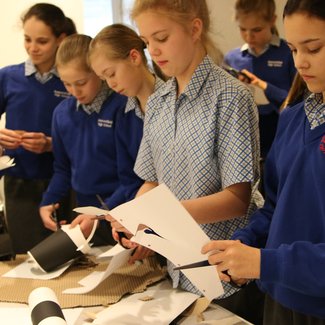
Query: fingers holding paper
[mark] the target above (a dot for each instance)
(86, 223)
(239, 260)
(10, 139)
(116, 225)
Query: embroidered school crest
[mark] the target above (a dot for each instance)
(322, 145)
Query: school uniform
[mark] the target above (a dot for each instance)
(90, 157)
(275, 66)
(130, 134)
(201, 142)
(28, 99)
(290, 227)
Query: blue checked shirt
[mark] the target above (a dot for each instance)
(200, 143)
(97, 103)
(315, 110)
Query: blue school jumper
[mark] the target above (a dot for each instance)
(276, 67)
(291, 225)
(29, 105)
(95, 153)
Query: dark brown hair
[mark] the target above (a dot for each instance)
(51, 16)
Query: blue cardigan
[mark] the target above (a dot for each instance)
(290, 227)
(29, 106)
(95, 154)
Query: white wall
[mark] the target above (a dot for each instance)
(224, 28)
(12, 48)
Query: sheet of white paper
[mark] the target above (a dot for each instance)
(175, 228)
(117, 249)
(214, 315)
(21, 315)
(28, 270)
(205, 278)
(91, 281)
(259, 95)
(6, 162)
(166, 305)
(93, 211)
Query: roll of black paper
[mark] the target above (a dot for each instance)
(45, 308)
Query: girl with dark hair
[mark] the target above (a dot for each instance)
(283, 246)
(29, 92)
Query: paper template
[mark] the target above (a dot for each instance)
(29, 270)
(176, 234)
(91, 281)
(6, 162)
(259, 95)
(158, 305)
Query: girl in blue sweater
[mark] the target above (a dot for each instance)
(266, 59)
(117, 56)
(283, 246)
(29, 92)
(90, 139)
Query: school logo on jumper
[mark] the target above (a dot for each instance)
(274, 64)
(60, 93)
(104, 123)
(322, 145)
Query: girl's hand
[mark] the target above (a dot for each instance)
(46, 212)
(140, 253)
(239, 260)
(254, 79)
(10, 139)
(36, 142)
(116, 225)
(85, 222)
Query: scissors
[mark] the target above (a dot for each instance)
(206, 263)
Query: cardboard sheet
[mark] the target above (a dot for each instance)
(127, 279)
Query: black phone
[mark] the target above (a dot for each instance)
(236, 73)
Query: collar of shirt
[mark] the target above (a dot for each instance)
(31, 69)
(315, 110)
(275, 41)
(97, 103)
(133, 103)
(197, 81)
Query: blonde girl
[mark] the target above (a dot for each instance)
(90, 138)
(117, 56)
(200, 132)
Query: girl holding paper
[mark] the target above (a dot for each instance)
(201, 128)
(93, 147)
(283, 246)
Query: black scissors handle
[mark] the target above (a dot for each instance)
(206, 263)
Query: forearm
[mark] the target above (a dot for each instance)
(227, 204)
(146, 187)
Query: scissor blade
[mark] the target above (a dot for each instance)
(193, 265)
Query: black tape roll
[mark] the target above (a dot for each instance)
(46, 309)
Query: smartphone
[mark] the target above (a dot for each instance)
(236, 73)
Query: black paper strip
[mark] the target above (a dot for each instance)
(44, 310)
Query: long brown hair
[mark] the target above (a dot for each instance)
(116, 41)
(51, 16)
